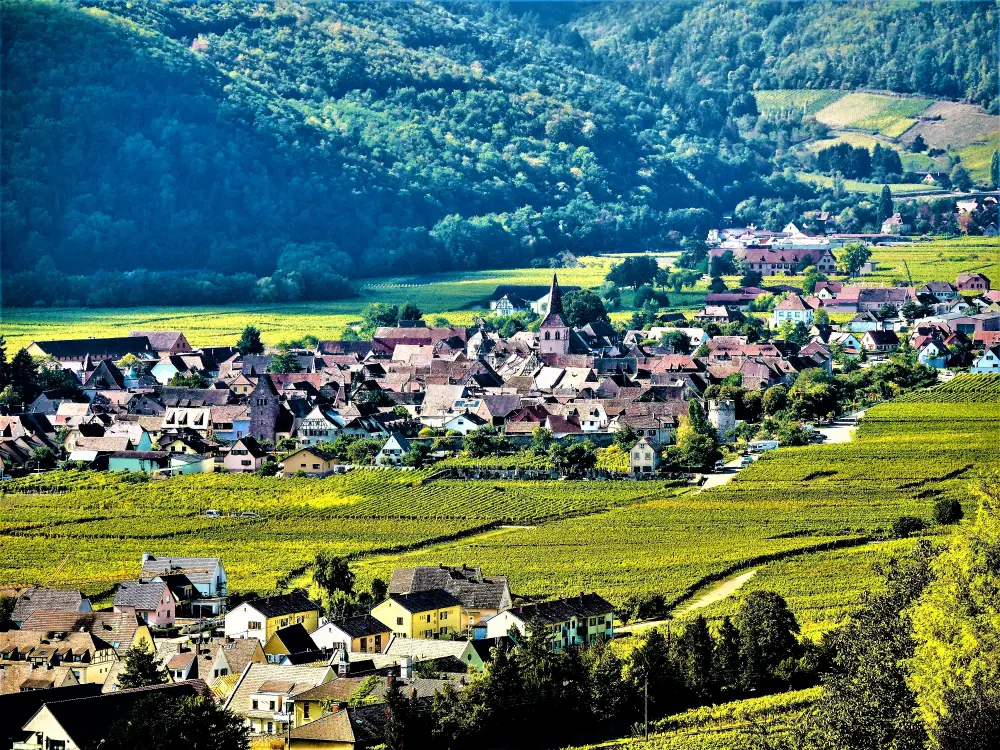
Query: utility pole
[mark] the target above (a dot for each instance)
(645, 695)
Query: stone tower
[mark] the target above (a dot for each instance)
(722, 415)
(264, 409)
(553, 336)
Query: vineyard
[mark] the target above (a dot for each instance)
(817, 505)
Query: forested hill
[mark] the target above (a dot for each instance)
(940, 48)
(327, 140)
(173, 152)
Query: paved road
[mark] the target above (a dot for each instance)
(842, 430)
(721, 477)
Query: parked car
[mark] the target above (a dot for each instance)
(746, 461)
(212, 513)
(249, 514)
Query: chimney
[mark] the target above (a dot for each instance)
(405, 668)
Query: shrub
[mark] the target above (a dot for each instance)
(904, 526)
(947, 510)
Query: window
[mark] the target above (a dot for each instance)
(557, 335)
(546, 335)
(270, 727)
(428, 618)
(315, 466)
(305, 710)
(253, 625)
(444, 615)
(244, 463)
(254, 704)
(399, 620)
(271, 707)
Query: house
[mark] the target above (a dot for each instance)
(464, 423)
(319, 426)
(644, 458)
(508, 298)
(197, 418)
(719, 314)
(245, 455)
(261, 618)
(422, 614)
(84, 722)
(933, 354)
(478, 652)
(265, 693)
(942, 291)
(988, 362)
(105, 377)
(51, 600)
(121, 630)
(348, 728)
(788, 261)
(17, 707)
(360, 634)
(573, 621)
(291, 640)
(310, 460)
(393, 450)
(880, 341)
(150, 600)
(794, 309)
(230, 421)
(895, 225)
(71, 657)
(862, 322)
(847, 341)
(30, 677)
(73, 352)
(164, 343)
(972, 282)
(199, 584)
(481, 596)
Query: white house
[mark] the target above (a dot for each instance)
(361, 634)
(573, 621)
(464, 423)
(206, 575)
(644, 458)
(933, 355)
(793, 308)
(393, 450)
(318, 426)
(988, 363)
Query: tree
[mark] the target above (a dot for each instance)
(821, 318)
(378, 315)
(332, 573)
(634, 271)
(995, 170)
(678, 341)
(6, 608)
(417, 456)
(775, 399)
(885, 208)
(284, 362)
(171, 723)
(694, 657)
(855, 255)
(912, 310)
(768, 632)
(722, 265)
(960, 178)
(726, 665)
(625, 438)
(582, 307)
(947, 510)
(717, 285)
(409, 312)
(812, 276)
(956, 628)
(541, 440)
(399, 717)
(573, 459)
(363, 452)
(751, 279)
(608, 696)
(918, 145)
(650, 666)
(482, 442)
(249, 341)
(141, 669)
(866, 703)
(191, 380)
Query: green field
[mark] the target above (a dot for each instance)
(856, 186)
(976, 157)
(873, 112)
(807, 101)
(936, 259)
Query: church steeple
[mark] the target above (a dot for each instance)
(555, 297)
(553, 335)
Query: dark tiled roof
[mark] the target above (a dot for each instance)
(295, 639)
(422, 601)
(115, 347)
(484, 646)
(87, 720)
(361, 626)
(195, 569)
(466, 584)
(45, 599)
(17, 708)
(285, 604)
(560, 610)
(140, 594)
(115, 628)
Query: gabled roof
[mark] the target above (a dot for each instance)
(283, 604)
(257, 675)
(114, 348)
(87, 720)
(252, 446)
(467, 584)
(554, 319)
(116, 628)
(422, 601)
(161, 341)
(361, 626)
(295, 639)
(560, 610)
(359, 726)
(53, 600)
(143, 595)
(198, 570)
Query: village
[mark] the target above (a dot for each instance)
(413, 394)
(759, 367)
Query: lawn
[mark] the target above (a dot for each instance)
(856, 186)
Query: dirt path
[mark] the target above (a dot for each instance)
(715, 594)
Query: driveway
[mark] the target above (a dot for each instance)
(842, 430)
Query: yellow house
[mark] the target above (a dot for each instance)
(310, 460)
(287, 641)
(262, 618)
(317, 702)
(422, 614)
(343, 729)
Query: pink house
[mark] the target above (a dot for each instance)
(245, 455)
(149, 599)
